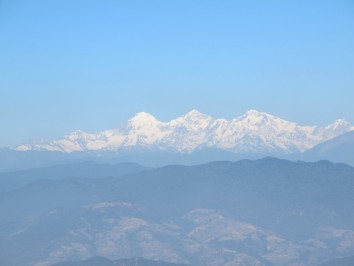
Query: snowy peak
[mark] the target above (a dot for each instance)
(339, 124)
(255, 117)
(337, 128)
(254, 113)
(194, 112)
(192, 120)
(253, 132)
(143, 119)
(195, 115)
(77, 134)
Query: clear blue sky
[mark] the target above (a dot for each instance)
(91, 65)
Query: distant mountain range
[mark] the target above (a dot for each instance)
(254, 132)
(339, 149)
(194, 138)
(267, 212)
(101, 261)
(347, 261)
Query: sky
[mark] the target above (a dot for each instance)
(91, 65)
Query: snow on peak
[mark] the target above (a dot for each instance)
(339, 123)
(193, 120)
(253, 112)
(24, 147)
(254, 117)
(339, 127)
(194, 113)
(193, 116)
(143, 116)
(252, 132)
(257, 114)
(77, 134)
(143, 119)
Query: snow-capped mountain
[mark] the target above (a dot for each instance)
(253, 132)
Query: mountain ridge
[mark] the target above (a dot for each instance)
(253, 132)
(102, 261)
(251, 212)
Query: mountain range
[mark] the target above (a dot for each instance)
(101, 261)
(254, 132)
(267, 212)
(347, 261)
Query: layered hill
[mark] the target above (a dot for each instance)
(264, 212)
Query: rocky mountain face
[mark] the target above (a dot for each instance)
(253, 132)
(267, 212)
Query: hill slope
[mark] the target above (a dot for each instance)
(339, 149)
